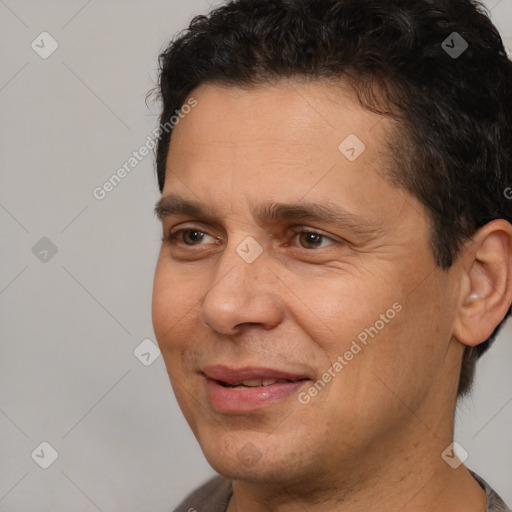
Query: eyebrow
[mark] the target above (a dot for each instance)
(327, 213)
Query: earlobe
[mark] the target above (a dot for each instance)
(487, 292)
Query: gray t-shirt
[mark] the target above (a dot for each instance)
(215, 494)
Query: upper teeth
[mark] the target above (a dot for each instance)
(259, 382)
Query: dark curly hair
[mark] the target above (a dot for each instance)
(452, 148)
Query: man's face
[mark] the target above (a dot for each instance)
(348, 314)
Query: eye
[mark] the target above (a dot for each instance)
(190, 237)
(194, 237)
(312, 239)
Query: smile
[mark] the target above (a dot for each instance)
(249, 389)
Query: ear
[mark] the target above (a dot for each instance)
(486, 291)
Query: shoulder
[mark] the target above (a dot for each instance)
(494, 502)
(213, 496)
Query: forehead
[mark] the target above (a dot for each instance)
(238, 151)
(292, 114)
(285, 134)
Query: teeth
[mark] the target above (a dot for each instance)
(252, 383)
(257, 382)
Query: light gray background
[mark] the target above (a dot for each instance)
(69, 326)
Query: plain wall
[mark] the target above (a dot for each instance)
(70, 324)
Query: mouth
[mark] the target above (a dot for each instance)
(253, 383)
(249, 389)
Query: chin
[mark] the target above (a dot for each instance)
(248, 456)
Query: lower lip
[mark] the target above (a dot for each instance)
(250, 399)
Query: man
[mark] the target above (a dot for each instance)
(336, 247)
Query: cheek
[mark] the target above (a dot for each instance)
(369, 322)
(161, 307)
(172, 300)
(407, 356)
(344, 307)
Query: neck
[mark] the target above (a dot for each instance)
(403, 473)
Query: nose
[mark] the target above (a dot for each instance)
(241, 294)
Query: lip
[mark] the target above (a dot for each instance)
(254, 398)
(235, 376)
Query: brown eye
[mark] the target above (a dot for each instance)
(189, 237)
(193, 235)
(312, 239)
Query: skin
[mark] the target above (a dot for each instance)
(376, 432)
